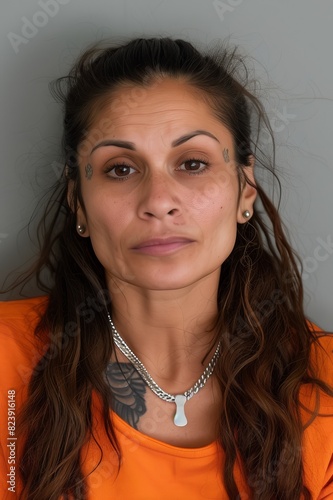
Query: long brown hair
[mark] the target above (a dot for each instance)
(266, 339)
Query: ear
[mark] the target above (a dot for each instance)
(248, 194)
(81, 220)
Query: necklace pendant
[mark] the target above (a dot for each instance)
(180, 419)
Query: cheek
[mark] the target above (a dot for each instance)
(216, 193)
(108, 226)
(215, 205)
(107, 218)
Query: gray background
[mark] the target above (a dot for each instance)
(291, 42)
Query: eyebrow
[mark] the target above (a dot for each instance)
(189, 136)
(175, 143)
(115, 142)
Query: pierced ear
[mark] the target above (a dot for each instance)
(81, 221)
(248, 194)
(82, 230)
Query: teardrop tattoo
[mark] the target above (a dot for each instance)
(226, 155)
(89, 171)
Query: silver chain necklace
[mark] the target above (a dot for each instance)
(180, 419)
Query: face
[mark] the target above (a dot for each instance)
(160, 188)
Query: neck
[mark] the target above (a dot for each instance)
(168, 330)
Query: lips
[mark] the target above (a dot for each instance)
(159, 246)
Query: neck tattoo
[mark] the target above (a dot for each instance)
(179, 400)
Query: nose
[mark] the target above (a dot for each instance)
(159, 197)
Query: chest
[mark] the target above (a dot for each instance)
(140, 407)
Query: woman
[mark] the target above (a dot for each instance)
(175, 302)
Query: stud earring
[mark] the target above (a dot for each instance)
(246, 214)
(81, 229)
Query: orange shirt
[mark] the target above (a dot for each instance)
(150, 469)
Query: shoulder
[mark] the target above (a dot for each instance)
(19, 348)
(320, 369)
(18, 318)
(20, 309)
(321, 360)
(316, 408)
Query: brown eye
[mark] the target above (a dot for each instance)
(194, 165)
(120, 171)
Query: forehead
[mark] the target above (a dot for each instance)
(160, 93)
(167, 103)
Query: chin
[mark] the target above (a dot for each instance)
(170, 281)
